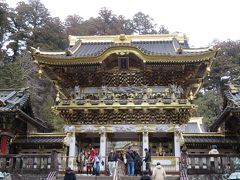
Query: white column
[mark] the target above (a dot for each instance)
(145, 141)
(177, 149)
(103, 145)
(70, 130)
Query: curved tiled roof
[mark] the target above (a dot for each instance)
(234, 97)
(40, 139)
(12, 99)
(156, 47)
(211, 139)
(231, 93)
(91, 49)
(148, 46)
(192, 128)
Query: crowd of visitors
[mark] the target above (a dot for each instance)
(132, 160)
(91, 161)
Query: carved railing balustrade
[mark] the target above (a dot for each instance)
(108, 101)
(120, 170)
(125, 95)
(152, 101)
(130, 105)
(211, 164)
(122, 101)
(28, 163)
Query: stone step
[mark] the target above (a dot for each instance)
(89, 177)
(103, 177)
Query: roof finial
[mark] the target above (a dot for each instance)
(34, 50)
(68, 52)
(179, 50)
(122, 37)
(191, 95)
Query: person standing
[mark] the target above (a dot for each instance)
(147, 160)
(120, 156)
(69, 174)
(112, 159)
(96, 164)
(130, 161)
(213, 151)
(92, 153)
(145, 176)
(159, 172)
(184, 155)
(137, 163)
(81, 161)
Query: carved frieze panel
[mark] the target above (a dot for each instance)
(105, 117)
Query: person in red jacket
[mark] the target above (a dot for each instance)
(92, 154)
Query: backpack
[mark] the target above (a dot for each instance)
(96, 159)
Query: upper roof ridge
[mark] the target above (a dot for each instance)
(126, 38)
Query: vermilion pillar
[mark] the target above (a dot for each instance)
(4, 144)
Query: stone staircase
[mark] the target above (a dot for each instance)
(102, 177)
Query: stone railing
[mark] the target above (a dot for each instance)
(211, 164)
(63, 162)
(29, 163)
(120, 170)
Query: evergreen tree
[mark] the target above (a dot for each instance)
(209, 106)
(143, 24)
(54, 121)
(32, 25)
(20, 28)
(227, 63)
(40, 88)
(11, 76)
(50, 36)
(74, 25)
(163, 30)
(4, 25)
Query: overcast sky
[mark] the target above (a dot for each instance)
(202, 20)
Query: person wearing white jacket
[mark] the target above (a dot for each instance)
(159, 172)
(96, 163)
(213, 151)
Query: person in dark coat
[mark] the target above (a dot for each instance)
(147, 160)
(137, 164)
(69, 174)
(145, 176)
(130, 161)
(120, 156)
(112, 160)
